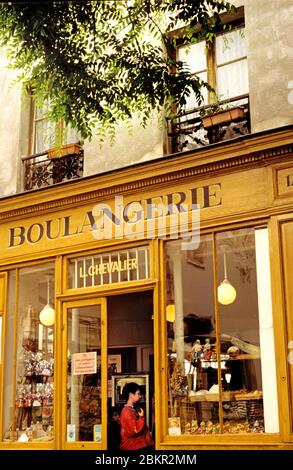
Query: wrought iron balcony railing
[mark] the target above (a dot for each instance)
(39, 170)
(188, 130)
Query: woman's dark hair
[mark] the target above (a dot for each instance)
(112, 411)
(131, 387)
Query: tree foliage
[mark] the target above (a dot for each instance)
(98, 62)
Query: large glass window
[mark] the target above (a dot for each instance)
(84, 408)
(221, 361)
(29, 356)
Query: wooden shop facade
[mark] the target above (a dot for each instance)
(176, 274)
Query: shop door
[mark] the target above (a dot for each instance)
(84, 375)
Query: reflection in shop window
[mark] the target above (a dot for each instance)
(29, 386)
(221, 361)
(84, 409)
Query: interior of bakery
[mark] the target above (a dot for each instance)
(29, 398)
(227, 342)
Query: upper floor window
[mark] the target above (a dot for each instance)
(47, 134)
(54, 151)
(223, 64)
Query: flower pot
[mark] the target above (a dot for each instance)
(64, 150)
(227, 115)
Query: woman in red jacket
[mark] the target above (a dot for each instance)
(135, 434)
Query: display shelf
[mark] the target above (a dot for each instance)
(226, 396)
(34, 400)
(242, 357)
(257, 395)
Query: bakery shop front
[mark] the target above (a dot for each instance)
(175, 274)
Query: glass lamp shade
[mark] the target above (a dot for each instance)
(47, 315)
(228, 377)
(170, 313)
(226, 293)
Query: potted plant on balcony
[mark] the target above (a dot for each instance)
(64, 150)
(221, 112)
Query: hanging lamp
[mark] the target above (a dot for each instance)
(226, 292)
(47, 314)
(170, 313)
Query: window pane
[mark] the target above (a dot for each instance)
(46, 132)
(30, 417)
(232, 79)
(84, 389)
(194, 55)
(9, 431)
(71, 136)
(45, 135)
(191, 100)
(41, 110)
(230, 46)
(192, 361)
(246, 342)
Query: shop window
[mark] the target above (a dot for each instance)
(2, 309)
(287, 263)
(221, 360)
(29, 337)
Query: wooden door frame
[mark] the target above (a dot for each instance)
(80, 445)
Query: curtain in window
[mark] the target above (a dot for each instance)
(232, 73)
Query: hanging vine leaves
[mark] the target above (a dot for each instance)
(99, 62)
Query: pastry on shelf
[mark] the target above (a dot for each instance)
(255, 395)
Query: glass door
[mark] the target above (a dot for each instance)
(84, 376)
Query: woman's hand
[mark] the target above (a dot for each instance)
(140, 413)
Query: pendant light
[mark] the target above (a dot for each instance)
(226, 292)
(228, 376)
(170, 313)
(47, 314)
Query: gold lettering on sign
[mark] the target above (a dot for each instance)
(290, 180)
(107, 268)
(122, 218)
(284, 181)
